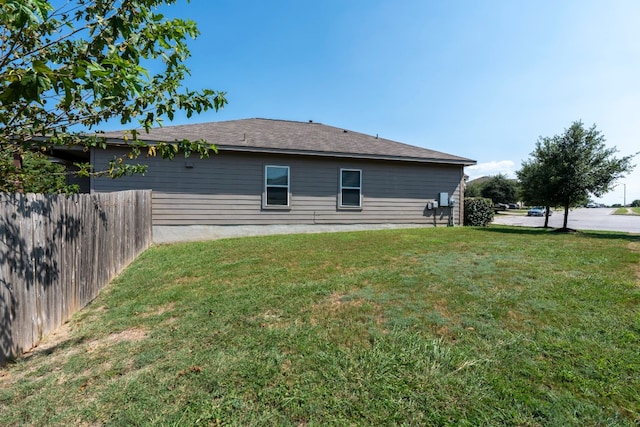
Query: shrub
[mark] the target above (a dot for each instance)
(635, 204)
(478, 212)
(37, 175)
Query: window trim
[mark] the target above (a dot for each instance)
(265, 205)
(342, 187)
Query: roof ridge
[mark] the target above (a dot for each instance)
(279, 135)
(311, 122)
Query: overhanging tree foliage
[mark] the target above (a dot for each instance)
(565, 169)
(68, 66)
(37, 175)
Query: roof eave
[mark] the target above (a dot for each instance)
(364, 156)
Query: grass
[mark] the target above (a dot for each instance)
(447, 326)
(627, 211)
(513, 212)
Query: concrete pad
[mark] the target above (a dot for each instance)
(193, 233)
(601, 219)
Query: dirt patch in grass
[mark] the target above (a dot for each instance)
(339, 305)
(270, 319)
(519, 322)
(133, 334)
(130, 335)
(337, 302)
(51, 342)
(159, 311)
(48, 349)
(189, 280)
(441, 306)
(444, 332)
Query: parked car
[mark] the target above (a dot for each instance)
(591, 205)
(538, 211)
(513, 206)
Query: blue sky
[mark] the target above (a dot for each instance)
(479, 79)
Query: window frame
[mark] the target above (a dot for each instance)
(265, 199)
(342, 187)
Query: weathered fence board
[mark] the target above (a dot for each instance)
(57, 253)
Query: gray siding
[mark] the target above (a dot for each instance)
(227, 189)
(83, 183)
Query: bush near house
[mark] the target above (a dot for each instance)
(37, 175)
(478, 212)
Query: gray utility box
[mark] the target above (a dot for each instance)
(443, 199)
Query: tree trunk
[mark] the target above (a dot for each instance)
(566, 217)
(546, 216)
(17, 164)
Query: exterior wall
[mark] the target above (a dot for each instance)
(82, 182)
(228, 189)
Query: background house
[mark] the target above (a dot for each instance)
(285, 172)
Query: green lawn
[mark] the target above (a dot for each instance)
(627, 211)
(447, 326)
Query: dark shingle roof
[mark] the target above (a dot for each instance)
(281, 136)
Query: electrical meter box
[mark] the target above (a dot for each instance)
(432, 205)
(443, 199)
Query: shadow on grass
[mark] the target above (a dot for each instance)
(48, 350)
(533, 231)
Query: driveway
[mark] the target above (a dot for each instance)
(579, 219)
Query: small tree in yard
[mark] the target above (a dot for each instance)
(68, 67)
(535, 188)
(635, 203)
(565, 169)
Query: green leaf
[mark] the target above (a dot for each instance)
(88, 64)
(41, 67)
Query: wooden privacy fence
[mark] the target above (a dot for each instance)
(57, 253)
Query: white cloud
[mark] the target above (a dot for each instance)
(505, 167)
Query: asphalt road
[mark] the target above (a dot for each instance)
(579, 219)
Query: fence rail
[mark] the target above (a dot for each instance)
(57, 253)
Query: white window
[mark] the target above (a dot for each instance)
(276, 186)
(350, 195)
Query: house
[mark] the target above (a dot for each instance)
(284, 172)
(479, 181)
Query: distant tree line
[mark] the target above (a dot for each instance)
(498, 188)
(563, 170)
